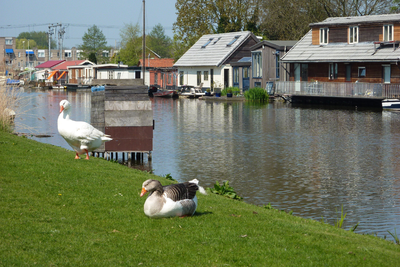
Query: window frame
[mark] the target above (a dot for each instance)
(181, 73)
(388, 29)
(207, 43)
(362, 69)
(198, 78)
(333, 71)
(205, 75)
(256, 62)
(233, 40)
(353, 34)
(323, 36)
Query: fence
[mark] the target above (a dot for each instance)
(339, 89)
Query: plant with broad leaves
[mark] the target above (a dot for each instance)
(225, 190)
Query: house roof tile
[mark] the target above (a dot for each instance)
(213, 49)
(49, 64)
(65, 64)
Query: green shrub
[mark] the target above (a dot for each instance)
(225, 190)
(256, 93)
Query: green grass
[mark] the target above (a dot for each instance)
(58, 211)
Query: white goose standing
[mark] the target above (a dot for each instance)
(80, 135)
(170, 200)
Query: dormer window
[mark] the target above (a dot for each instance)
(353, 35)
(323, 35)
(209, 41)
(388, 33)
(233, 40)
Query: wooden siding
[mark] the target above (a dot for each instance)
(370, 33)
(374, 72)
(315, 36)
(367, 33)
(242, 51)
(125, 113)
(338, 35)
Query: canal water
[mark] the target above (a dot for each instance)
(309, 160)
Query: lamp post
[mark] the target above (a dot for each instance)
(23, 43)
(29, 62)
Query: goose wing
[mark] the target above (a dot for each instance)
(180, 191)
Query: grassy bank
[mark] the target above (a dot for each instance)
(55, 210)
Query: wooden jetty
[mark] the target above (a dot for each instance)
(125, 113)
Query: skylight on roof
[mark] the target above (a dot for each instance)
(209, 41)
(219, 38)
(233, 40)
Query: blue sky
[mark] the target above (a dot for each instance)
(79, 15)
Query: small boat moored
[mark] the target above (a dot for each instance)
(391, 104)
(164, 93)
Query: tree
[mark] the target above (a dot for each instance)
(199, 17)
(131, 44)
(290, 19)
(158, 42)
(40, 38)
(19, 44)
(94, 42)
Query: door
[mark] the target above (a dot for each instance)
(226, 78)
(348, 73)
(297, 81)
(246, 78)
(212, 79)
(386, 73)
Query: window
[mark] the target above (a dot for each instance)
(198, 77)
(67, 53)
(41, 53)
(110, 74)
(169, 78)
(205, 74)
(362, 72)
(219, 38)
(245, 72)
(257, 64)
(235, 76)
(156, 78)
(105, 53)
(9, 41)
(333, 71)
(277, 65)
(353, 35)
(209, 41)
(323, 35)
(181, 78)
(233, 40)
(19, 54)
(388, 33)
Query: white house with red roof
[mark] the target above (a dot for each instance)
(44, 71)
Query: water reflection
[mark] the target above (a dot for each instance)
(308, 160)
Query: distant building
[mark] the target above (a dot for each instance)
(14, 61)
(162, 72)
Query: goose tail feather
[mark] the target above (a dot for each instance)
(201, 189)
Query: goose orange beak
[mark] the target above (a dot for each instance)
(143, 192)
(61, 109)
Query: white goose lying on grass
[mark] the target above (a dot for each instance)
(170, 200)
(80, 135)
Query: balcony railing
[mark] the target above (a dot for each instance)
(339, 89)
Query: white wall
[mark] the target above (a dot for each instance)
(190, 76)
